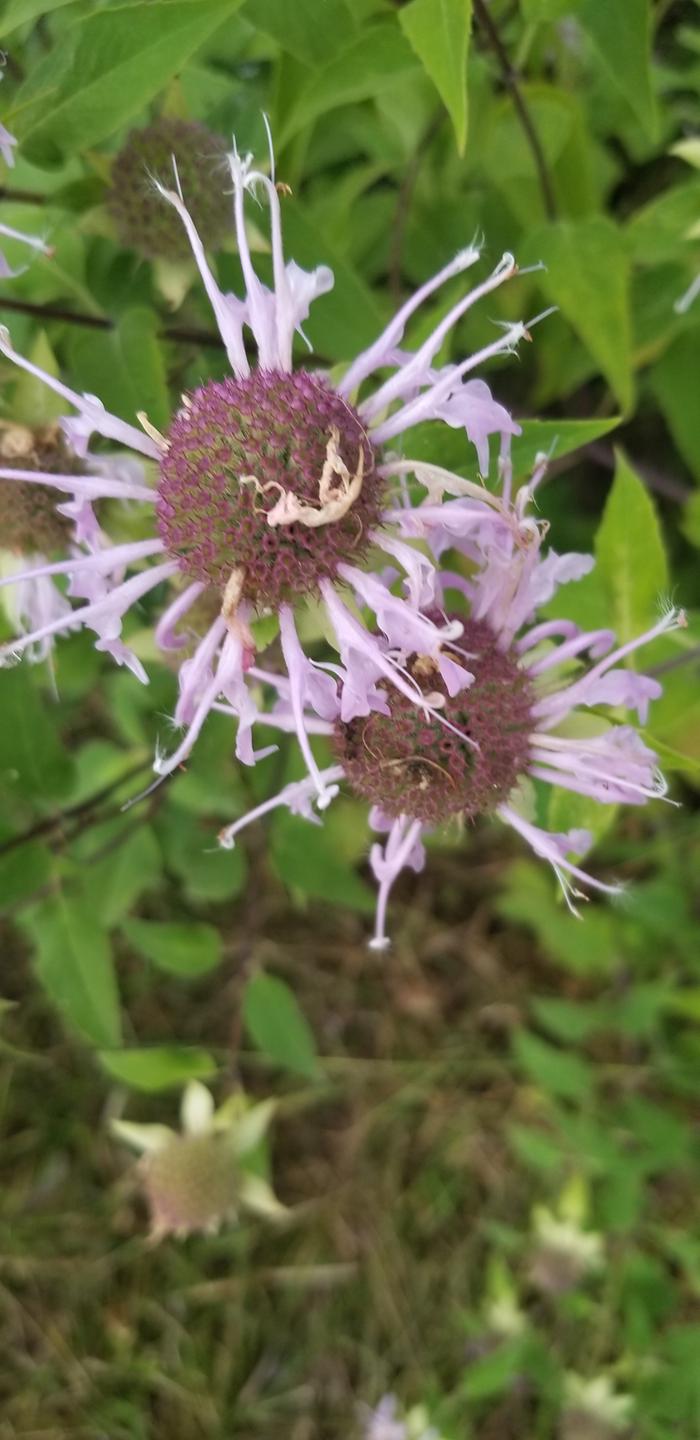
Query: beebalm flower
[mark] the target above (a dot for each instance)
(197, 1180)
(271, 489)
(593, 1409)
(523, 710)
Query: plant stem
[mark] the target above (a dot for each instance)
(100, 322)
(512, 81)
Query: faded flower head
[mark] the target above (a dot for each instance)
(197, 1180)
(593, 1409)
(564, 1249)
(387, 1422)
(143, 223)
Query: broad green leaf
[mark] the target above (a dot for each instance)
(580, 946)
(439, 32)
(379, 55)
(307, 30)
(495, 1373)
(20, 12)
(621, 34)
(305, 860)
(657, 232)
(630, 554)
(568, 811)
(191, 851)
(125, 368)
(554, 1071)
(674, 380)
(349, 317)
(106, 68)
(158, 1067)
(33, 403)
(507, 163)
(587, 276)
(556, 438)
(23, 871)
(439, 444)
(689, 150)
(276, 1025)
(32, 758)
(74, 964)
(116, 881)
(186, 948)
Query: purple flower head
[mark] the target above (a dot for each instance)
(269, 490)
(499, 697)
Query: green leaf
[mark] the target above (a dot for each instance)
(105, 68)
(305, 861)
(158, 1067)
(581, 946)
(125, 368)
(621, 34)
(307, 30)
(276, 1025)
(74, 964)
(568, 811)
(630, 553)
(33, 403)
(379, 55)
(23, 871)
(587, 276)
(20, 12)
(350, 317)
(187, 948)
(439, 32)
(190, 849)
(554, 1071)
(117, 880)
(674, 380)
(555, 437)
(32, 758)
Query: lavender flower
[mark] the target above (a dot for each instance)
(385, 1423)
(270, 491)
(525, 709)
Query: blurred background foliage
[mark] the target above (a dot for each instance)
(485, 1139)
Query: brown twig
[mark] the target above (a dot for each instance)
(512, 80)
(686, 658)
(25, 197)
(73, 812)
(185, 336)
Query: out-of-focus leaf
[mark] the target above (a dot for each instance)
(311, 32)
(529, 899)
(277, 1026)
(158, 1067)
(439, 32)
(32, 758)
(569, 811)
(125, 368)
(621, 34)
(587, 276)
(379, 55)
(20, 12)
(657, 231)
(187, 948)
(33, 403)
(630, 553)
(554, 1071)
(190, 849)
(115, 882)
(305, 861)
(105, 68)
(674, 380)
(349, 317)
(74, 964)
(23, 871)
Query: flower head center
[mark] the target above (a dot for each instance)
(411, 764)
(270, 480)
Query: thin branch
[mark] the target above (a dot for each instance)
(73, 812)
(25, 197)
(512, 81)
(185, 336)
(686, 658)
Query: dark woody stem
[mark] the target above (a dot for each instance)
(184, 335)
(512, 80)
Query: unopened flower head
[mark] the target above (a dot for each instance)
(143, 223)
(271, 487)
(197, 1180)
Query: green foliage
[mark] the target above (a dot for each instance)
(278, 1028)
(504, 1054)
